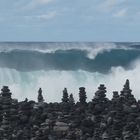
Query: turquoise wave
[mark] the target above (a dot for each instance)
(73, 59)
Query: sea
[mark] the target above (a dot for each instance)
(27, 66)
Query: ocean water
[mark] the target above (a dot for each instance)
(25, 67)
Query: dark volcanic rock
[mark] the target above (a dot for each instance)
(65, 96)
(99, 119)
(82, 95)
(40, 96)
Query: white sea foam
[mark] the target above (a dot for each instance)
(26, 84)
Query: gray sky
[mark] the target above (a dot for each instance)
(70, 20)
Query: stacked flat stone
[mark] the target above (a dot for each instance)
(127, 96)
(115, 119)
(115, 95)
(100, 102)
(6, 98)
(6, 102)
(82, 95)
(71, 99)
(65, 98)
(100, 93)
(126, 92)
(40, 96)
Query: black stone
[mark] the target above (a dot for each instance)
(82, 95)
(40, 96)
(99, 119)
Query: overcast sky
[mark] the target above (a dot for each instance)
(70, 20)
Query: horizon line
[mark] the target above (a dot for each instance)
(69, 41)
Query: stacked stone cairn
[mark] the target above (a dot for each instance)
(40, 96)
(100, 119)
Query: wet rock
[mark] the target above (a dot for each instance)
(61, 126)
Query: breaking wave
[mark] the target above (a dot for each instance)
(26, 84)
(101, 57)
(25, 67)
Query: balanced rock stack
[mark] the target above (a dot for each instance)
(99, 119)
(82, 95)
(40, 96)
(126, 90)
(6, 102)
(65, 98)
(5, 98)
(100, 102)
(100, 93)
(115, 95)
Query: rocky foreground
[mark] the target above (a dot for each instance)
(100, 119)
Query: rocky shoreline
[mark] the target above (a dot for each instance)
(99, 119)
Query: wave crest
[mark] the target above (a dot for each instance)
(68, 60)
